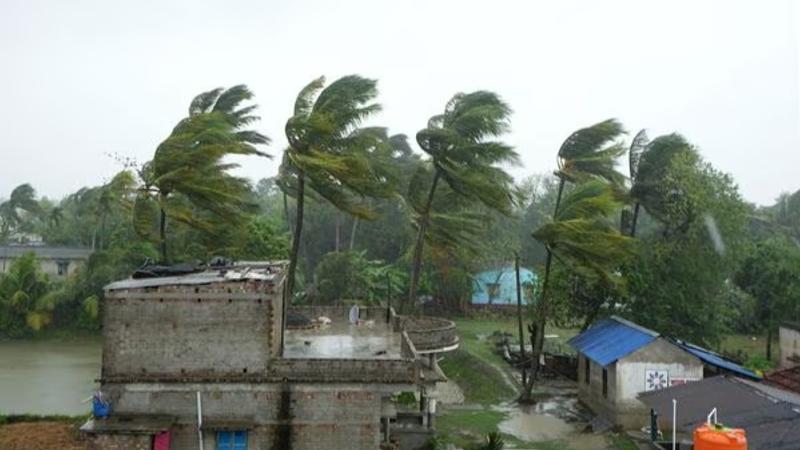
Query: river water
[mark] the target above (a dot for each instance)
(48, 376)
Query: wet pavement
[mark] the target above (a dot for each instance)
(370, 340)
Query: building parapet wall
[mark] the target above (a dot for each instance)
(430, 334)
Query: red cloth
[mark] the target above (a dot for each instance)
(161, 441)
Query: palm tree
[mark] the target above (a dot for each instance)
(582, 238)
(390, 159)
(188, 170)
(649, 166)
(465, 158)
(329, 154)
(23, 198)
(590, 152)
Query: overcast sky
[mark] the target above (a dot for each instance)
(83, 79)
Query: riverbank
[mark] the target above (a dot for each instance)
(47, 377)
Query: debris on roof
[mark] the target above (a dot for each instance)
(197, 274)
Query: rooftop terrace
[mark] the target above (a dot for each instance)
(340, 339)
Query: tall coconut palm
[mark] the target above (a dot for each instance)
(328, 152)
(588, 154)
(649, 166)
(465, 156)
(22, 199)
(189, 172)
(582, 238)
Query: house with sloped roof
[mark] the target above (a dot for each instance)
(55, 261)
(770, 416)
(499, 287)
(618, 360)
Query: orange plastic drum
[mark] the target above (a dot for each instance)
(715, 437)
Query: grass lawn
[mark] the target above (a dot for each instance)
(749, 347)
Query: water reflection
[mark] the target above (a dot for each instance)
(48, 376)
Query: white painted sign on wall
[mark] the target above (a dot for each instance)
(655, 379)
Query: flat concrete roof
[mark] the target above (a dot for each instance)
(340, 339)
(263, 271)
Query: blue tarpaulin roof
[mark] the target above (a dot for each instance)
(716, 360)
(611, 339)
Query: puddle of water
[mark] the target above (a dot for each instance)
(535, 427)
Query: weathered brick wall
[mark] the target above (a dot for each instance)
(120, 442)
(199, 333)
(284, 416)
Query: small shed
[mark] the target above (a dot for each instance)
(618, 359)
(499, 287)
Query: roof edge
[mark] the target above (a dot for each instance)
(635, 326)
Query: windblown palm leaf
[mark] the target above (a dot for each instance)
(22, 198)
(649, 187)
(592, 151)
(582, 236)
(191, 164)
(330, 154)
(464, 155)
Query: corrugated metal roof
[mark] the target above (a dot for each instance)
(611, 339)
(42, 251)
(716, 360)
(769, 422)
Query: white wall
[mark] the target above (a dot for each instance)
(790, 346)
(631, 377)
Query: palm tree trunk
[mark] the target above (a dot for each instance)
(353, 233)
(338, 231)
(542, 307)
(519, 321)
(286, 212)
(769, 343)
(541, 317)
(634, 219)
(162, 233)
(416, 262)
(298, 228)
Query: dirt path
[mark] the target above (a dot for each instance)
(40, 436)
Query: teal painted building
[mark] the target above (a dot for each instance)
(499, 287)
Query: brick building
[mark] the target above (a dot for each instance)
(203, 360)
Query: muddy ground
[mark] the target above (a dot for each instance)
(40, 436)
